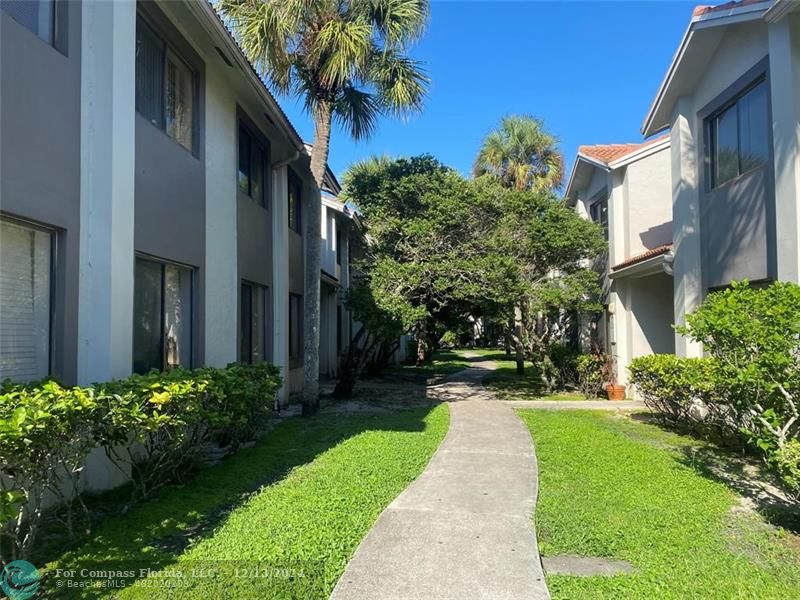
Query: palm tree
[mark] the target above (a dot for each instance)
(522, 154)
(347, 59)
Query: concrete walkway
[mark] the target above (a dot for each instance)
(464, 528)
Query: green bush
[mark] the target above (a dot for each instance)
(559, 368)
(754, 334)
(748, 389)
(151, 426)
(679, 389)
(592, 375)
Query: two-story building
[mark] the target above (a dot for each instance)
(152, 194)
(626, 189)
(731, 100)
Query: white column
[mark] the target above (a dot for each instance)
(687, 279)
(280, 277)
(105, 310)
(345, 281)
(784, 63)
(221, 277)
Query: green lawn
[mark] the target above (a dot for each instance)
(295, 507)
(614, 487)
(443, 362)
(508, 385)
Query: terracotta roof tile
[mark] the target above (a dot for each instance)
(608, 153)
(637, 258)
(704, 10)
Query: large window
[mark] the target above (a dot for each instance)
(253, 323)
(599, 214)
(36, 15)
(162, 316)
(295, 326)
(25, 305)
(165, 86)
(295, 203)
(253, 161)
(739, 135)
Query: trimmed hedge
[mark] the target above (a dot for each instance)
(151, 426)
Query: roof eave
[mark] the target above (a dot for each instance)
(205, 11)
(571, 194)
(654, 122)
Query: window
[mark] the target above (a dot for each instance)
(25, 304)
(165, 86)
(599, 214)
(162, 316)
(36, 15)
(295, 326)
(295, 203)
(338, 244)
(253, 323)
(253, 159)
(739, 135)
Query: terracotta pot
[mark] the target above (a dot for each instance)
(615, 391)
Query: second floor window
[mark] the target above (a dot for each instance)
(253, 159)
(739, 135)
(295, 203)
(165, 86)
(599, 214)
(36, 15)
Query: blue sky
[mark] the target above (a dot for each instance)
(590, 69)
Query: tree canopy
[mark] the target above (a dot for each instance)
(441, 248)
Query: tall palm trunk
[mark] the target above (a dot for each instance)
(311, 321)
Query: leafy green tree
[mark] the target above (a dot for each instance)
(522, 155)
(427, 258)
(348, 61)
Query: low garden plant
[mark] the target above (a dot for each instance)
(151, 426)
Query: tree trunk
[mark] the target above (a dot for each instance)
(422, 342)
(520, 351)
(311, 321)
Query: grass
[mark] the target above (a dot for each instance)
(611, 486)
(508, 385)
(443, 362)
(295, 506)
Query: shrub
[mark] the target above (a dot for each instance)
(592, 373)
(559, 368)
(754, 334)
(45, 434)
(153, 425)
(787, 463)
(679, 389)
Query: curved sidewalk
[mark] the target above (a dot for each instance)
(464, 528)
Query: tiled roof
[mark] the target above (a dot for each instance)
(704, 10)
(637, 258)
(608, 153)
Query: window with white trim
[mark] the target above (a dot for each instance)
(25, 301)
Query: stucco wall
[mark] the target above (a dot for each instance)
(648, 203)
(40, 120)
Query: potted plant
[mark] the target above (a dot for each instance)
(615, 391)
